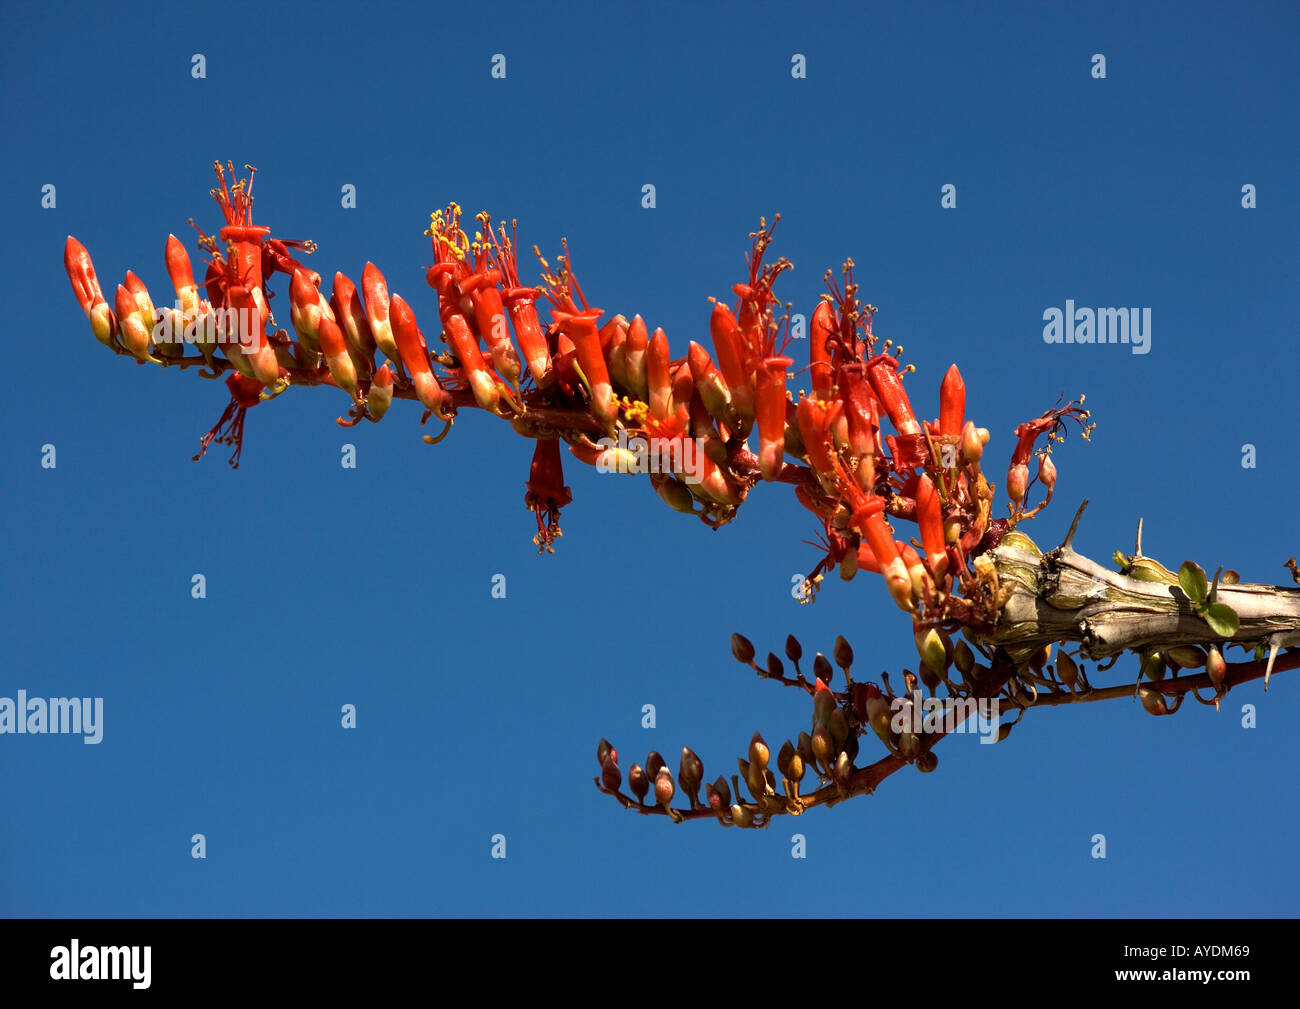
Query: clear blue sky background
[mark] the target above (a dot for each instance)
(372, 587)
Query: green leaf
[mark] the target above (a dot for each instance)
(1191, 576)
(1222, 619)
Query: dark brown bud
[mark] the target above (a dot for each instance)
(783, 758)
(822, 668)
(930, 678)
(793, 650)
(690, 774)
(723, 789)
(838, 726)
(927, 762)
(804, 747)
(741, 648)
(774, 665)
(843, 653)
(638, 781)
(603, 751)
(653, 762)
(851, 746)
(610, 776)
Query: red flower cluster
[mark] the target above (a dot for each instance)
(572, 379)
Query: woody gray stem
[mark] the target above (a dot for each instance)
(1064, 596)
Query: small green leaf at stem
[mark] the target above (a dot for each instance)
(1191, 576)
(1222, 619)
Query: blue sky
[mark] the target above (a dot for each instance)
(478, 716)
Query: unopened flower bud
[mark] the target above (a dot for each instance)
(1153, 701)
(795, 772)
(930, 678)
(793, 650)
(741, 649)
(774, 665)
(664, 790)
(838, 726)
(804, 747)
(610, 776)
(930, 645)
(823, 703)
(1186, 656)
(843, 653)
(604, 751)
(690, 774)
(723, 789)
(638, 781)
(1153, 666)
(1017, 482)
(783, 756)
(972, 448)
(653, 763)
(743, 816)
(909, 745)
(843, 767)
(927, 762)
(822, 668)
(823, 747)
(758, 752)
(1046, 471)
(1216, 667)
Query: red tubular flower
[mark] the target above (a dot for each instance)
(581, 329)
(815, 418)
(546, 492)
(307, 307)
(415, 355)
(709, 382)
(180, 271)
(821, 329)
(952, 403)
(521, 304)
(859, 410)
(867, 560)
(638, 340)
(335, 350)
(658, 374)
(929, 516)
(375, 291)
(90, 296)
(770, 405)
(470, 359)
(613, 340)
(490, 317)
(345, 303)
(888, 388)
(252, 338)
(725, 331)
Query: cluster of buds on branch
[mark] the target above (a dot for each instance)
(852, 446)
